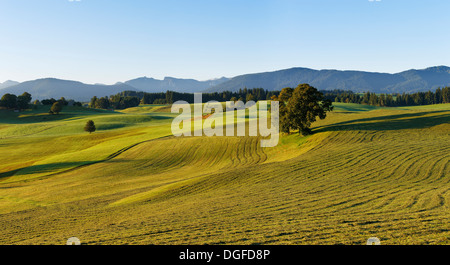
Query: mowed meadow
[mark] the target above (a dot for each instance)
(366, 171)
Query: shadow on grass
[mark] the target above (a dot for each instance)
(391, 122)
(55, 167)
(354, 108)
(162, 116)
(42, 115)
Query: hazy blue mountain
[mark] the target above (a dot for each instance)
(8, 84)
(173, 84)
(57, 88)
(357, 81)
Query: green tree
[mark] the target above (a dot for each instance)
(438, 96)
(56, 108)
(249, 97)
(283, 98)
(23, 100)
(9, 101)
(446, 95)
(169, 97)
(102, 103)
(93, 101)
(63, 101)
(302, 108)
(90, 127)
(48, 101)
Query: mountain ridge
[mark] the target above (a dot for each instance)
(408, 81)
(175, 84)
(45, 88)
(8, 83)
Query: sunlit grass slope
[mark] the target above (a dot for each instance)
(366, 171)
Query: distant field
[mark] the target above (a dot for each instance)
(366, 171)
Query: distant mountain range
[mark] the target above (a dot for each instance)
(8, 84)
(358, 81)
(173, 84)
(57, 88)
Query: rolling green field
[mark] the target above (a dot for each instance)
(366, 171)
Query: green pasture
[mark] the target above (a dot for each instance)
(366, 171)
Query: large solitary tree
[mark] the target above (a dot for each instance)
(300, 107)
(283, 98)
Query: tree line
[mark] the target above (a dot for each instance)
(114, 102)
(441, 95)
(128, 99)
(62, 101)
(170, 97)
(22, 102)
(11, 101)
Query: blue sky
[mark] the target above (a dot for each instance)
(105, 41)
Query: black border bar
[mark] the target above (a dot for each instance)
(228, 254)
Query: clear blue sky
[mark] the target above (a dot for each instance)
(105, 41)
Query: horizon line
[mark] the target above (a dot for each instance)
(211, 79)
